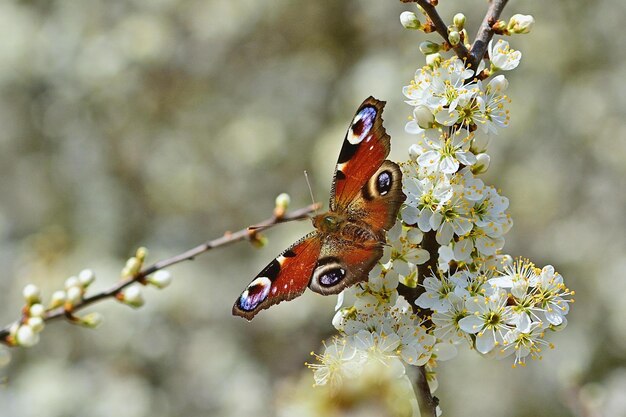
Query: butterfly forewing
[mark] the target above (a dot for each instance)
(285, 278)
(365, 147)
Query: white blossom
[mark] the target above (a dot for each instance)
(502, 56)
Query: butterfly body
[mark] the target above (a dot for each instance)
(342, 228)
(348, 241)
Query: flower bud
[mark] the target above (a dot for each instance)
(459, 21)
(282, 204)
(160, 279)
(58, 299)
(454, 38)
(433, 60)
(91, 320)
(132, 296)
(482, 163)
(74, 295)
(498, 84)
(258, 240)
(86, 277)
(36, 323)
(36, 310)
(132, 267)
(71, 282)
(479, 142)
(141, 254)
(423, 116)
(31, 294)
(521, 23)
(410, 21)
(499, 27)
(26, 336)
(428, 47)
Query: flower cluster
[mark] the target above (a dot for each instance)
(499, 312)
(380, 328)
(471, 293)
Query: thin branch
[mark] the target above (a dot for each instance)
(440, 26)
(485, 32)
(427, 403)
(228, 238)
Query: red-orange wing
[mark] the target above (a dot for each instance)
(380, 198)
(343, 263)
(285, 278)
(364, 149)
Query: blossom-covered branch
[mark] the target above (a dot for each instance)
(65, 303)
(444, 281)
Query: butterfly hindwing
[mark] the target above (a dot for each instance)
(342, 264)
(380, 198)
(285, 278)
(365, 147)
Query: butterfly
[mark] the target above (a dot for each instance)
(365, 198)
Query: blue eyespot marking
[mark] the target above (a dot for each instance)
(255, 294)
(361, 125)
(383, 182)
(332, 277)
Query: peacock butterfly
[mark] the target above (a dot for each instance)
(348, 241)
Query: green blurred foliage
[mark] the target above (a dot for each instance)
(167, 122)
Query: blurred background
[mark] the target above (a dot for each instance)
(164, 123)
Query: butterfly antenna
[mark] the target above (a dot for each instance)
(306, 177)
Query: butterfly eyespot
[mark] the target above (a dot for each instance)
(383, 182)
(361, 125)
(332, 277)
(327, 276)
(255, 294)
